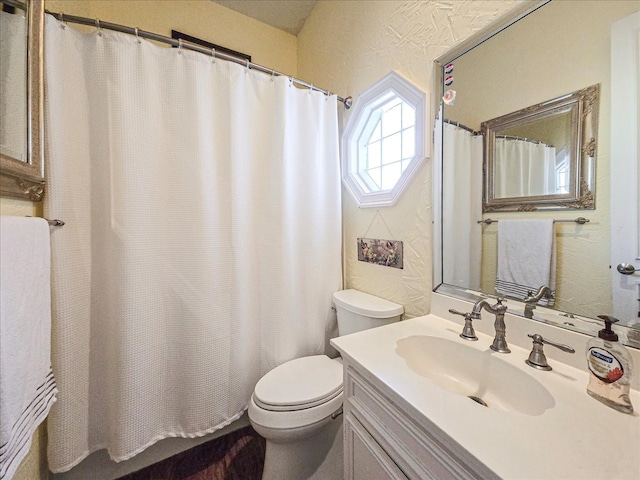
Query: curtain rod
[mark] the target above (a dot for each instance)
(15, 4)
(348, 101)
(523, 139)
(464, 127)
(580, 220)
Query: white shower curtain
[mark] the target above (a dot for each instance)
(524, 168)
(461, 174)
(202, 238)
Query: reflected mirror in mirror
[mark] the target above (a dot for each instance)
(553, 49)
(21, 152)
(543, 156)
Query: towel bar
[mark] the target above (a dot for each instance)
(54, 223)
(579, 220)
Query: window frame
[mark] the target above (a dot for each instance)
(361, 121)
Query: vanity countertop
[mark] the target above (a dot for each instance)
(578, 438)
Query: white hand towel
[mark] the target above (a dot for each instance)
(526, 258)
(27, 385)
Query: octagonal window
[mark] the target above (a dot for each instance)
(383, 143)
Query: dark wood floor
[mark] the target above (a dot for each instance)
(236, 456)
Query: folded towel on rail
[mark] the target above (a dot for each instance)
(526, 258)
(27, 386)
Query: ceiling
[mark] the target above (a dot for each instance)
(287, 15)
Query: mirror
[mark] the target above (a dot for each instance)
(543, 156)
(543, 50)
(21, 87)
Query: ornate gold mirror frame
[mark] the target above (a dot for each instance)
(25, 179)
(582, 106)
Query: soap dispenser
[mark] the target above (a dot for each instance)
(610, 366)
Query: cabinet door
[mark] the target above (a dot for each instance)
(364, 458)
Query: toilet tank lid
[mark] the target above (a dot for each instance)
(364, 304)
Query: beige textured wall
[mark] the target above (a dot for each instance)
(491, 81)
(346, 46)
(34, 466)
(12, 206)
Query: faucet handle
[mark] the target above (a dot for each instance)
(468, 333)
(499, 306)
(537, 358)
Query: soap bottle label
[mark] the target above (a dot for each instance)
(604, 365)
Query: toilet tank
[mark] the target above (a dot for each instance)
(359, 311)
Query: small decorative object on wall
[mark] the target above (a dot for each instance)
(380, 252)
(449, 97)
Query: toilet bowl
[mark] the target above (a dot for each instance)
(297, 406)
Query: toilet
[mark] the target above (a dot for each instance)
(297, 406)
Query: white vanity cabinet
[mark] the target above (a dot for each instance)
(384, 441)
(366, 459)
(399, 423)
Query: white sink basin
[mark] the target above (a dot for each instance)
(480, 375)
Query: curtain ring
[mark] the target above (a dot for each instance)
(137, 36)
(98, 26)
(247, 64)
(61, 19)
(310, 88)
(213, 55)
(273, 74)
(180, 46)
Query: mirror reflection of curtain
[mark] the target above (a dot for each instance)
(563, 170)
(462, 173)
(524, 168)
(13, 87)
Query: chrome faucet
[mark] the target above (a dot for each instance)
(499, 342)
(468, 332)
(531, 300)
(537, 358)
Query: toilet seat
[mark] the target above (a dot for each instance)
(298, 393)
(293, 408)
(298, 384)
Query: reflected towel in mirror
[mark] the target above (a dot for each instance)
(526, 258)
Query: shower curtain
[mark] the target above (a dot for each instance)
(462, 174)
(202, 238)
(524, 168)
